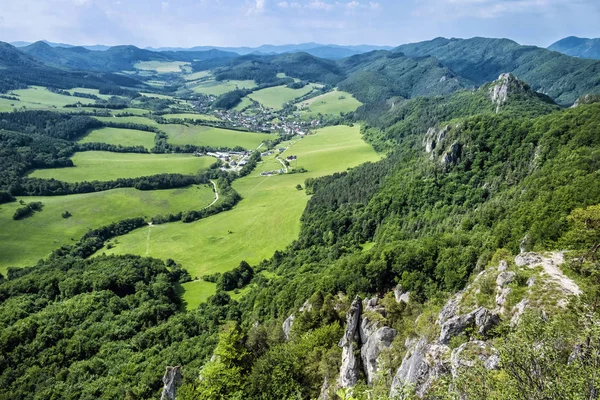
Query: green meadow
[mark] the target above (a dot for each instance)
(246, 102)
(106, 166)
(95, 92)
(267, 219)
(25, 241)
(197, 75)
(198, 117)
(333, 102)
(123, 137)
(215, 137)
(131, 119)
(162, 67)
(276, 97)
(38, 98)
(215, 88)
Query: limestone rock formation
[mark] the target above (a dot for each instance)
(482, 319)
(171, 380)
(421, 366)
(372, 348)
(287, 326)
(350, 369)
(503, 87)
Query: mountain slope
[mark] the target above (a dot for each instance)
(481, 60)
(578, 47)
(377, 76)
(117, 58)
(18, 69)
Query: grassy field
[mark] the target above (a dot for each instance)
(216, 137)
(26, 241)
(162, 67)
(134, 120)
(198, 117)
(39, 98)
(276, 97)
(329, 103)
(267, 219)
(123, 137)
(197, 75)
(106, 166)
(246, 102)
(218, 88)
(95, 92)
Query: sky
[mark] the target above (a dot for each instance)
(187, 23)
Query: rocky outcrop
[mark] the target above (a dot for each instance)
(505, 278)
(470, 353)
(503, 87)
(434, 136)
(376, 343)
(350, 369)
(452, 155)
(421, 366)
(287, 326)
(400, 295)
(482, 319)
(171, 381)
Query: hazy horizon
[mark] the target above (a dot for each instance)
(251, 23)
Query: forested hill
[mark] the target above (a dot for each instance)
(19, 70)
(481, 60)
(578, 47)
(428, 68)
(115, 59)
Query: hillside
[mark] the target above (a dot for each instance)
(578, 47)
(20, 69)
(481, 60)
(114, 59)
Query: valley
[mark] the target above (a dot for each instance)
(300, 222)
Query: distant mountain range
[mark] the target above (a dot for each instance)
(578, 47)
(330, 51)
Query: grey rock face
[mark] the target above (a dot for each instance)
(434, 136)
(450, 309)
(422, 364)
(503, 266)
(482, 318)
(452, 155)
(372, 348)
(287, 326)
(518, 311)
(324, 395)
(400, 295)
(171, 381)
(505, 278)
(350, 369)
(528, 259)
(505, 85)
(501, 298)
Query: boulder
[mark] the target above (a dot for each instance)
(481, 318)
(171, 381)
(450, 309)
(501, 298)
(350, 369)
(503, 266)
(528, 259)
(372, 348)
(400, 295)
(505, 278)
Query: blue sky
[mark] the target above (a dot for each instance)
(188, 23)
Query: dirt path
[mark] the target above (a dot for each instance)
(283, 164)
(216, 194)
(551, 268)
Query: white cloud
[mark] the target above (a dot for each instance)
(453, 9)
(258, 7)
(320, 5)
